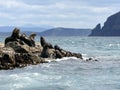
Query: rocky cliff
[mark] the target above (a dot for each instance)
(111, 27)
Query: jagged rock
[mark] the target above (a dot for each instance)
(36, 59)
(26, 58)
(7, 55)
(78, 55)
(7, 58)
(36, 49)
(96, 30)
(55, 52)
(20, 51)
(111, 27)
(18, 47)
(48, 53)
(58, 54)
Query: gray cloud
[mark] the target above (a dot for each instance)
(66, 13)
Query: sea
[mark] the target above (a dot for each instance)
(71, 73)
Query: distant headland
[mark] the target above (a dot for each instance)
(111, 27)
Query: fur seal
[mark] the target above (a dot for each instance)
(42, 41)
(16, 33)
(45, 44)
(28, 40)
(14, 37)
(56, 47)
(32, 38)
(21, 38)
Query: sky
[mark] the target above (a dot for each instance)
(57, 13)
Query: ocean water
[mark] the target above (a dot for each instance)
(71, 73)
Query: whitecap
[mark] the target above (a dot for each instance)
(66, 58)
(62, 59)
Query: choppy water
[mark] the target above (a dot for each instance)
(71, 73)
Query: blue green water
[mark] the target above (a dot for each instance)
(71, 73)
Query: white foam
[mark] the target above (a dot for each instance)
(62, 59)
(17, 86)
(66, 58)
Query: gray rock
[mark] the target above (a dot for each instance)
(18, 47)
(111, 27)
(21, 51)
(96, 30)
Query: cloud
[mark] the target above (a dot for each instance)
(66, 13)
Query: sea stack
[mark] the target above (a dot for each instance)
(111, 27)
(96, 30)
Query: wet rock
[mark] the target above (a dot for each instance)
(78, 55)
(56, 47)
(7, 58)
(7, 55)
(56, 52)
(21, 50)
(18, 47)
(24, 59)
(91, 59)
(48, 53)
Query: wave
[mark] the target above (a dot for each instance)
(111, 45)
(62, 59)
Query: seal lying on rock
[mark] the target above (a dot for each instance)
(28, 40)
(14, 37)
(48, 50)
(50, 53)
(56, 47)
(21, 38)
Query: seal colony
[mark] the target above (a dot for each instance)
(20, 50)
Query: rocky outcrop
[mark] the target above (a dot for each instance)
(20, 38)
(111, 27)
(7, 58)
(21, 50)
(56, 52)
(96, 30)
